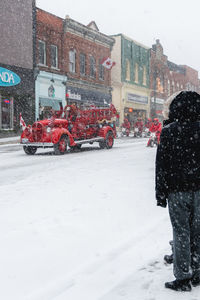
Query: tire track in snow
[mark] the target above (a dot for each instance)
(97, 278)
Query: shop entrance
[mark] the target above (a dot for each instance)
(134, 114)
(6, 113)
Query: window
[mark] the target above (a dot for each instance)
(136, 72)
(127, 70)
(82, 63)
(168, 88)
(42, 53)
(101, 70)
(144, 76)
(173, 87)
(159, 85)
(72, 61)
(54, 56)
(92, 67)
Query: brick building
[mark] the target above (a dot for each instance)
(84, 48)
(69, 69)
(167, 78)
(51, 80)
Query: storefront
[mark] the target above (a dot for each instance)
(16, 96)
(50, 93)
(136, 106)
(157, 107)
(83, 96)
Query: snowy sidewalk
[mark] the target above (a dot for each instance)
(9, 140)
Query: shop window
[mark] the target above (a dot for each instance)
(127, 70)
(82, 64)
(136, 73)
(101, 70)
(6, 106)
(72, 61)
(54, 56)
(92, 67)
(42, 53)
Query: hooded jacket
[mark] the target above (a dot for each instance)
(178, 154)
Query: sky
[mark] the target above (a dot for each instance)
(176, 23)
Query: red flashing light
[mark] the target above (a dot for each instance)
(6, 101)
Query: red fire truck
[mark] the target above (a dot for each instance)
(70, 128)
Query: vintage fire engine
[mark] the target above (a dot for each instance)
(71, 127)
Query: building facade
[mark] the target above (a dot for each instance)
(130, 78)
(50, 84)
(69, 69)
(16, 64)
(166, 78)
(84, 48)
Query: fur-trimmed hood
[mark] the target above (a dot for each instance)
(182, 106)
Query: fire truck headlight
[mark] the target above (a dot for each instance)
(24, 141)
(48, 129)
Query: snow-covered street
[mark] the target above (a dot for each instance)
(83, 226)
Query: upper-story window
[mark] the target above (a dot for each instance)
(144, 76)
(173, 87)
(101, 70)
(92, 67)
(136, 73)
(82, 64)
(72, 61)
(42, 52)
(128, 73)
(168, 88)
(54, 56)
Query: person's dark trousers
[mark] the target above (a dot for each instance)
(184, 211)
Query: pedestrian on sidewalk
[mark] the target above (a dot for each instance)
(178, 184)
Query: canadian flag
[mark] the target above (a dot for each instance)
(108, 63)
(22, 123)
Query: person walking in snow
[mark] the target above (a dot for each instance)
(178, 184)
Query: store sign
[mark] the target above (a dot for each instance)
(8, 78)
(137, 98)
(158, 100)
(74, 96)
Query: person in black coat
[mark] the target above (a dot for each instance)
(178, 184)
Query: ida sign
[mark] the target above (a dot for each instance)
(8, 78)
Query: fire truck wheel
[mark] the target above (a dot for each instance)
(30, 150)
(109, 141)
(62, 146)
